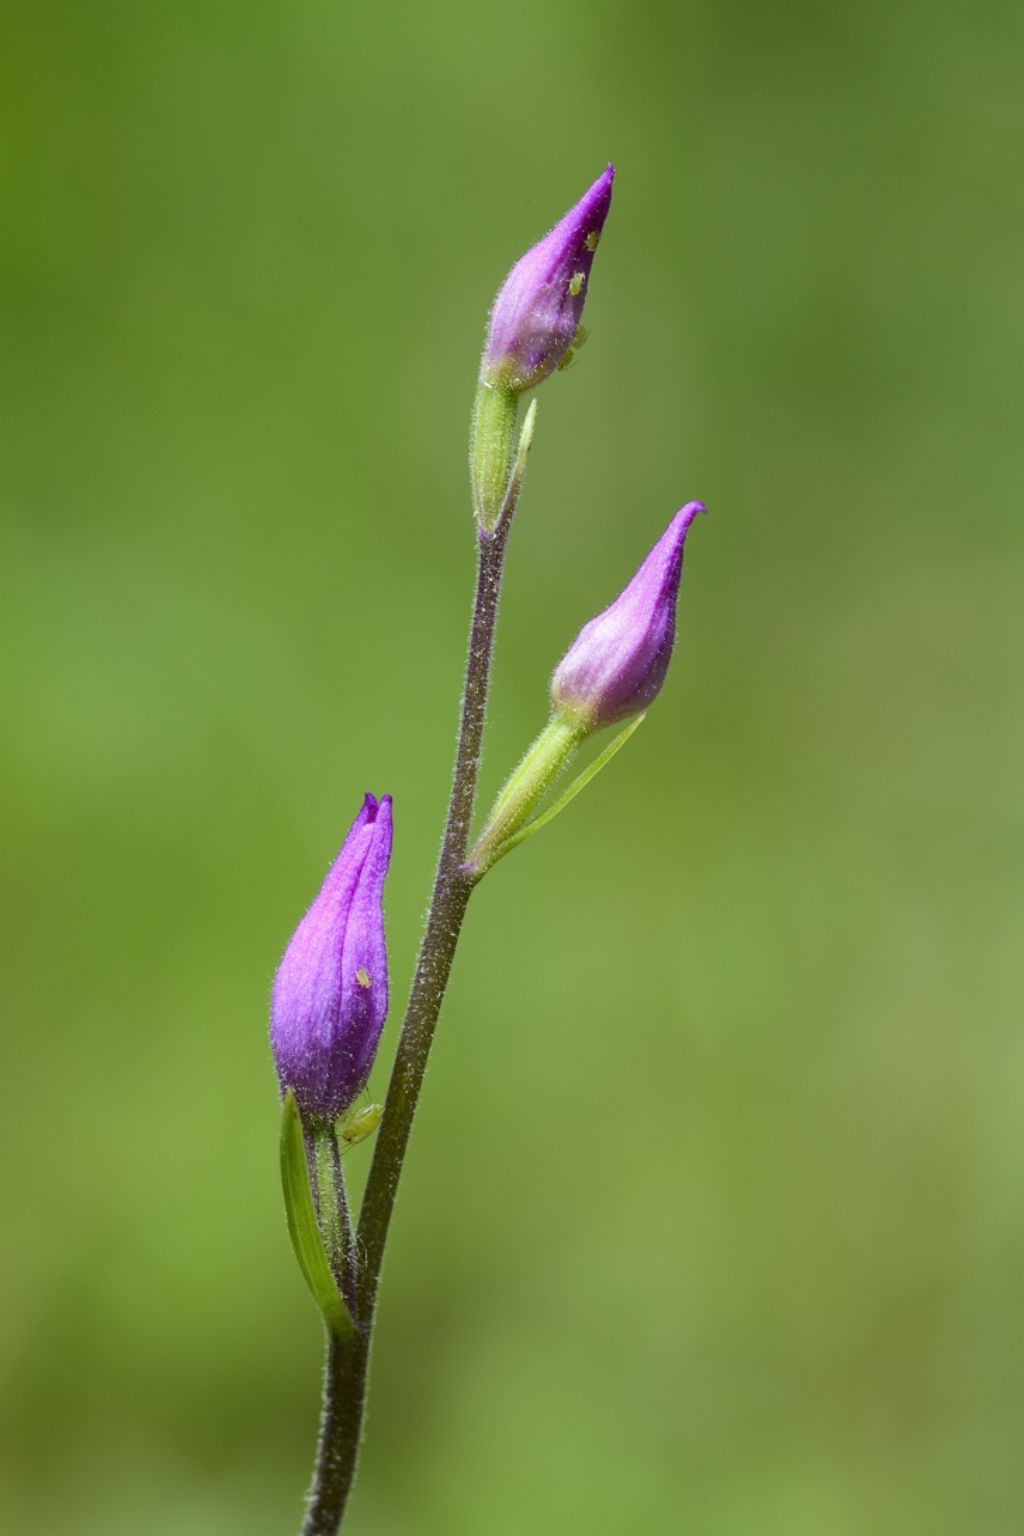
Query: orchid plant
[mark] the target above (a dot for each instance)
(330, 995)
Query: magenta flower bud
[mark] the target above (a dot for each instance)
(617, 664)
(330, 995)
(537, 312)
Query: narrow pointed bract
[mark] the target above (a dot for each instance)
(538, 309)
(330, 995)
(617, 663)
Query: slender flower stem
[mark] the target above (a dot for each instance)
(341, 1428)
(538, 770)
(348, 1281)
(328, 1183)
(452, 888)
(347, 1359)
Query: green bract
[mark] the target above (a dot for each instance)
(302, 1224)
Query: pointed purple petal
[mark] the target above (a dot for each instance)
(617, 663)
(324, 1022)
(539, 306)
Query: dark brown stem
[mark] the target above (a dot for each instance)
(347, 1359)
(452, 888)
(341, 1428)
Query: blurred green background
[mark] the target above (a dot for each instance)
(713, 1220)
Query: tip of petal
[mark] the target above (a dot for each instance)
(685, 516)
(600, 191)
(373, 808)
(593, 206)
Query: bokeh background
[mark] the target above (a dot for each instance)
(713, 1220)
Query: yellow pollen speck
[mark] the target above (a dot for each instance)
(363, 977)
(576, 283)
(591, 241)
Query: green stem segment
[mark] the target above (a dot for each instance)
(541, 766)
(347, 1358)
(330, 1207)
(490, 450)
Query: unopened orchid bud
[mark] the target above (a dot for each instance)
(534, 326)
(330, 995)
(612, 672)
(617, 663)
(540, 305)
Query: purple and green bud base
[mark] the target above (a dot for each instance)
(613, 670)
(534, 325)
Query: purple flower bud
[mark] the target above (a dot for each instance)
(330, 995)
(617, 664)
(537, 312)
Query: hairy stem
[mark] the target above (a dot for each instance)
(328, 1184)
(347, 1359)
(341, 1428)
(347, 1283)
(452, 888)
